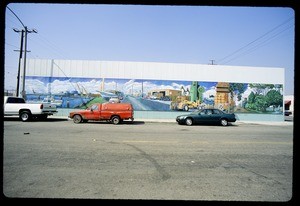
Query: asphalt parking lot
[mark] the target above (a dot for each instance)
(147, 161)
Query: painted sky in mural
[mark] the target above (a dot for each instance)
(158, 95)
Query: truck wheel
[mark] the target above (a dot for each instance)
(25, 116)
(115, 120)
(77, 119)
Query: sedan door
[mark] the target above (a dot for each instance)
(204, 116)
(216, 116)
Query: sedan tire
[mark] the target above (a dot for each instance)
(224, 122)
(189, 121)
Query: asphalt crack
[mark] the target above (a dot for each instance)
(256, 173)
(164, 175)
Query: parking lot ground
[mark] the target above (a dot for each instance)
(147, 161)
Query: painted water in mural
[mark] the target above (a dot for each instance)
(156, 95)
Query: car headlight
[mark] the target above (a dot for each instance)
(182, 117)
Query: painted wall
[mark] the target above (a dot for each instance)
(78, 84)
(82, 92)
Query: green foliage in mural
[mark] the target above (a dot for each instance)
(93, 101)
(274, 98)
(238, 89)
(264, 96)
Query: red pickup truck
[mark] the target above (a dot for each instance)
(112, 112)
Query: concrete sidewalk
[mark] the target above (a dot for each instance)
(286, 123)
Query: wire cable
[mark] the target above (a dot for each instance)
(257, 39)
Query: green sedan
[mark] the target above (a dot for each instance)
(206, 116)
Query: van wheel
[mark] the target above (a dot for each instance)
(77, 119)
(25, 116)
(115, 120)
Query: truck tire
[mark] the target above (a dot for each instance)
(77, 119)
(115, 120)
(25, 116)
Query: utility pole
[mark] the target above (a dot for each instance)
(212, 62)
(20, 57)
(25, 51)
(24, 62)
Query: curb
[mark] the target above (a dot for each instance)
(285, 123)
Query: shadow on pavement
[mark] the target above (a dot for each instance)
(121, 123)
(52, 119)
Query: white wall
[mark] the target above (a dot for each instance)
(154, 70)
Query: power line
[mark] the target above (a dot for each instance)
(16, 16)
(11, 45)
(24, 33)
(48, 45)
(261, 44)
(247, 45)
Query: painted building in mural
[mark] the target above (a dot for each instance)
(150, 86)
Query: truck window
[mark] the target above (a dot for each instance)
(15, 100)
(94, 107)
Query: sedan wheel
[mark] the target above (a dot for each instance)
(224, 122)
(189, 121)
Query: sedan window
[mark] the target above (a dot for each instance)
(208, 112)
(216, 111)
(203, 112)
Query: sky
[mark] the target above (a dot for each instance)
(223, 35)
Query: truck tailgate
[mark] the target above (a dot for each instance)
(49, 107)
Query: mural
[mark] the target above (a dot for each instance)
(156, 95)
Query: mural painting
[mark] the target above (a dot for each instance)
(156, 95)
